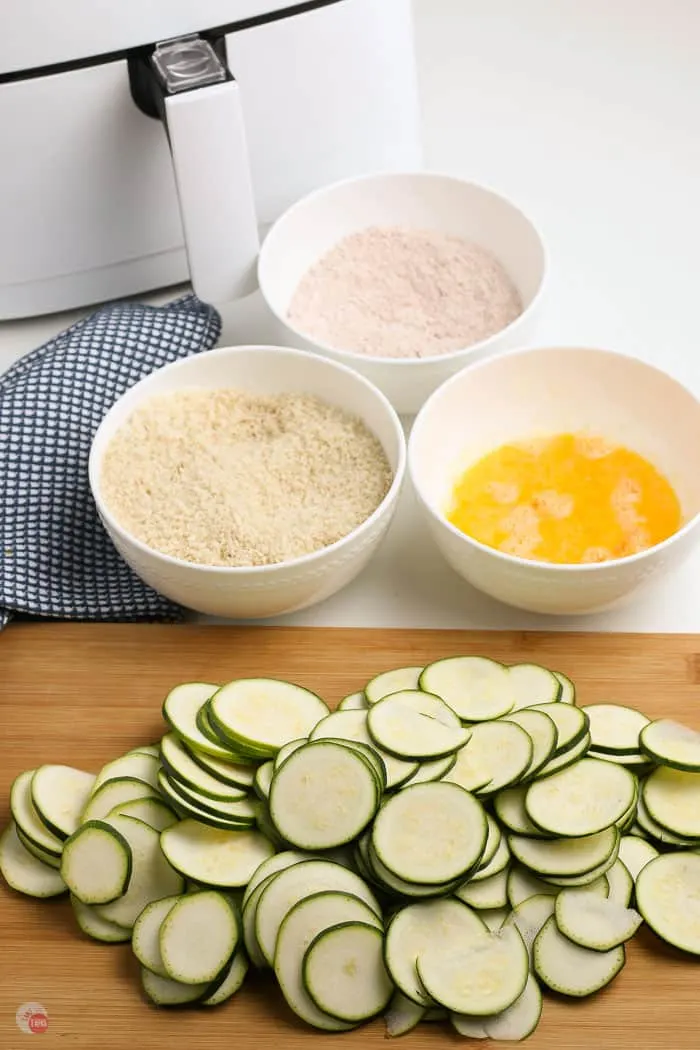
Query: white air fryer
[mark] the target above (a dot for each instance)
(145, 143)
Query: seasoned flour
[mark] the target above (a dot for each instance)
(393, 292)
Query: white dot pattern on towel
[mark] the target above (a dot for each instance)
(56, 560)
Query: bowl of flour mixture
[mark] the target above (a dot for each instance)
(248, 481)
(405, 277)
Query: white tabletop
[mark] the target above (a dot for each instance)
(587, 114)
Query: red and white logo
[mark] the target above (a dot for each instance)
(32, 1019)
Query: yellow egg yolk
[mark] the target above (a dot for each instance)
(569, 498)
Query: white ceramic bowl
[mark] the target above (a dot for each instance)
(544, 391)
(416, 200)
(268, 590)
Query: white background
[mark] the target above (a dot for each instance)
(587, 112)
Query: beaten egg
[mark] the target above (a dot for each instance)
(568, 498)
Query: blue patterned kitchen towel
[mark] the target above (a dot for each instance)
(56, 560)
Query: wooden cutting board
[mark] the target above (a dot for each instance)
(82, 694)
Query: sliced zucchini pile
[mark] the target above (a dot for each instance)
(450, 840)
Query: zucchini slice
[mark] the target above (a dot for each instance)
(628, 818)
(134, 765)
(565, 758)
(59, 794)
(636, 763)
(571, 723)
(482, 978)
(52, 859)
(198, 936)
(228, 816)
(588, 878)
(583, 799)
(568, 689)
(487, 893)
(542, 732)
(672, 798)
(239, 752)
(145, 940)
(493, 918)
(213, 857)
(468, 1027)
(391, 682)
(323, 796)
(467, 773)
(97, 863)
(150, 810)
(520, 1020)
(306, 919)
(284, 752)
(291, 885)
(672, 744)
(620, 883)
(179, 763)
(667, 897)
(475, 687)
(231, 981)
(353, 702)
(277, 862)
(266, 826)
(229, 771)
(430, 833)
(414, 929)
(352, 726)
(94, 925)
(265, 713)
(614, 728)
(263, 780)
(594, 922)
(522, 885)
(145, 749)
(532, 685)
(498, 755)
(386, 879)
(436, 769)
(567, 968)
(26, 817)
(499, 860)
(565, 857)
(152, 877)
(180, 709)
(416, 725)
(23, 871)
(163, 991)
(509, 805)
(344, 972)
(249, 916)
(635, 854)
(658, 832)
(371, 754)
(239, 810)
(530, 917)
(402, 1015)
(494, 838)
(112, 793)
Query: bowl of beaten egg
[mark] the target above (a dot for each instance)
(559, 480)
(248, 482)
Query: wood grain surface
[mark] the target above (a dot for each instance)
(81, 694)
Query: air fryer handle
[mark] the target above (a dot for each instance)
(201, 108)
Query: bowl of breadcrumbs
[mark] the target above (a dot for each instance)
(248, 482)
